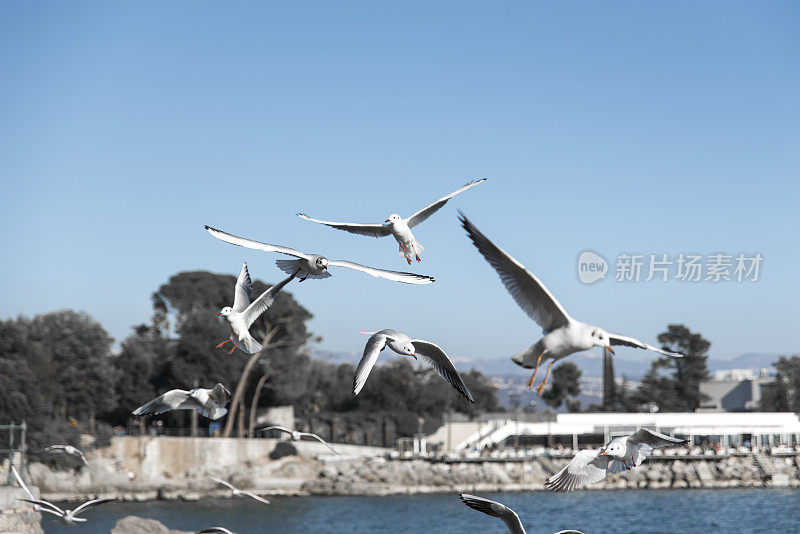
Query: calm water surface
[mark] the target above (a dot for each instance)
(622, 511)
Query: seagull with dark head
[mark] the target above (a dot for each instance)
(563, 335)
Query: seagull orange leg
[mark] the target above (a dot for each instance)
(533, 377)
(218, 346)
(234, 347)
(544, 382)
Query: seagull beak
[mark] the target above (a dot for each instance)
(609, 349)
(387, 220)
(220, 313)
(415, 356)
(603, 453)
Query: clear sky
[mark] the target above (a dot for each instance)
(616, 127)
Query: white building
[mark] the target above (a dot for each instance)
(579, 429)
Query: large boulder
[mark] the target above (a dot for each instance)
(140, 525)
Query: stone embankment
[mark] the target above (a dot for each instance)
(17, 516)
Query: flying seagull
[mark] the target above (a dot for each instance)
(404, 345)
(314, 265)
(297, 435)
(243, 314)
(222, 530)
(66, 449)
(620, 454)
(397, 226)
(237, 491)
(207, 402)
(67, 517)
(496, 509)
(563, 335)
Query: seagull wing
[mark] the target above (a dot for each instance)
(220, 394)
(426, 212)
(375, 344)
(257, 245)
(21, 482)
(494, 509)
(277, 427)
(316, 437)
(528, 291)
(645, 440)
(220, 481)
(254, 496)
(89, 503)
(211, 530)
(241, 295)
(397, 276)
(369, 230)
(176, 399)
(587, 467)
(616, 339)
(263, 302)
(436, 357)
(47, 506)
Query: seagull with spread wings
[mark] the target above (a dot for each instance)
(501, 511)
(314, 265)
(237, 491)
(207, 402)
(67, 517)
(66, 449)
(215, 530)
(243, 313)
(397, 226)
(620, 454)
(404, 345)
(563, 335)
(297, 435)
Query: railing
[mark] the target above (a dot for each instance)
(22, 448)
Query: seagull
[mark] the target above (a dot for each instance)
(314, 265)
(243, 314)
(66, 449)
(496, 509)
(396, 226)
(296, 435)
(563, 335)
(620, 454)
(404, 345)
(207, 402)
(223, 530)
(237, 491)
(67, 517)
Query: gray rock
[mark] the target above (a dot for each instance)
(140, 525)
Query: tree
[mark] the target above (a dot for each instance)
(783, 394)
(564, 384)
(673, 384)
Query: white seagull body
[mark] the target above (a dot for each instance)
(314, 265)
(563, 335)
(237, 491)
(207, 402)
(297, 435)
(499, 510)
(396, 225)
(620, 454)
(67, 517)
(243, 314)
(66, 449)
(404, 345)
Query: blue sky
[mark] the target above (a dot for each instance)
(616, 127)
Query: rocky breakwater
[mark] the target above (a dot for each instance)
(380, 476)
(17, 516)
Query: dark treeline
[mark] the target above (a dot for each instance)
(59, 367)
